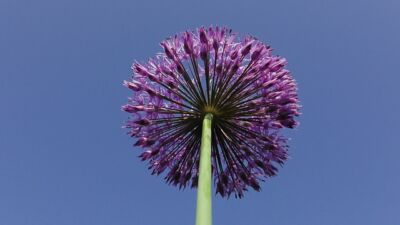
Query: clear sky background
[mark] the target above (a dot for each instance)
(64, 159)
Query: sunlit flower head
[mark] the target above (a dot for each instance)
(240, 82)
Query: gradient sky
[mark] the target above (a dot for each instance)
(64, 159)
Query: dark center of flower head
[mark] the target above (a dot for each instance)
(247, 90)
(211, 110)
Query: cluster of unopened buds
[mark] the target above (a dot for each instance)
(212, 71)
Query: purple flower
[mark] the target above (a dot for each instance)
(247, 89)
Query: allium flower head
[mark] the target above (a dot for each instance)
(240, 82)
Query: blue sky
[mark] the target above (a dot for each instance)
(65, 160)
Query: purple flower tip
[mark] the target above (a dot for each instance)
(203, 36)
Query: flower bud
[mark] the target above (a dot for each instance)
(168, 50)
(133, 108)
(245, 50)
(134, 85)
(143, 122)
(144, 142)
(203, 36)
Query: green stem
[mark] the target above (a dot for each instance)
(203, 210)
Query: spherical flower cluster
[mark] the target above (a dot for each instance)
(247, 90)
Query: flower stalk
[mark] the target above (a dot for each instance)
(204, 209)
